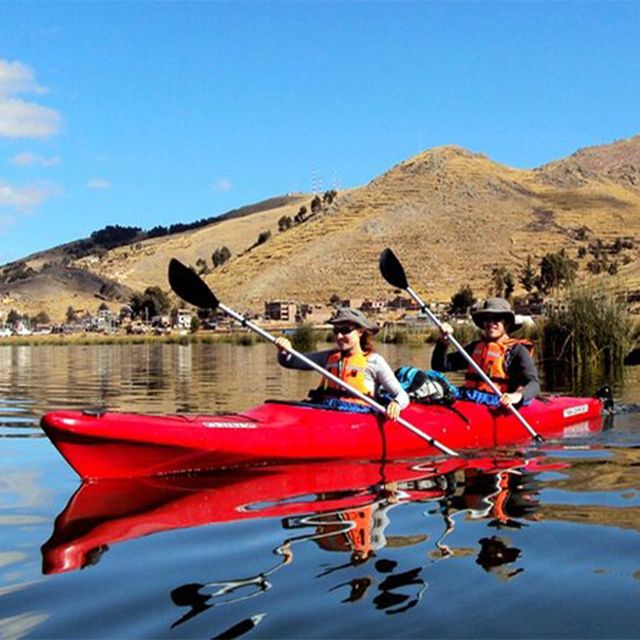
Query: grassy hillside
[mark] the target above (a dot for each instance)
(451, 216)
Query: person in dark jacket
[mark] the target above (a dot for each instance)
(507, 361)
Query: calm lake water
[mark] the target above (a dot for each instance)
(542, 542)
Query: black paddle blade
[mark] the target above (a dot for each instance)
(392, 270)
(190, 286)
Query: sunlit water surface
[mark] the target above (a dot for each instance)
(535, 543)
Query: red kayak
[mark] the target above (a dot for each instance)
(125, 445)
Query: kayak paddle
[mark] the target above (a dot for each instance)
(393, 272)
(187, 284)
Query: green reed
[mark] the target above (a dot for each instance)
(589, 335)
(304, 338)
(465, 332)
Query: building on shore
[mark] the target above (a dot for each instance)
(280, 310)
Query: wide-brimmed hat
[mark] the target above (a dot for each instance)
(493, 308)
(347, 315)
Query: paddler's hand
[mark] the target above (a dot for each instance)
(510, 399)
(393, 410)
(283, 344)
(445, 331)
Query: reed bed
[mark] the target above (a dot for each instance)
(589, 335)
(243, 338)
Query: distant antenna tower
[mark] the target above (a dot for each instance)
(316, 180)
(335, 182)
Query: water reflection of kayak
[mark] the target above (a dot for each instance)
(105, 512)
(112, 445)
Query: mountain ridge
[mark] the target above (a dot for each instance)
(450, 214)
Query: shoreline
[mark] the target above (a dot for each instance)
(61, 339)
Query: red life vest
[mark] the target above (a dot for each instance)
(490, 357)
(351, 369)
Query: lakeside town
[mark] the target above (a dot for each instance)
(283, 314)
(397, 312)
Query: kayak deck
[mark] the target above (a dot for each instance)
(125, 445)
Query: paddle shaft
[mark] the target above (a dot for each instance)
(327, 374)
(472, 362)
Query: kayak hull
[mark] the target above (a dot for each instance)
(127, 445)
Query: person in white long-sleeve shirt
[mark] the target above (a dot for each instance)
(354, 361)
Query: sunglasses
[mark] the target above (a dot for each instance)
(495, 320)
(344, 329)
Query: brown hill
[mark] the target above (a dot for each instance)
(618, 162)
(53, 280)
(451, 216)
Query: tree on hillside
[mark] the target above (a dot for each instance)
(527, 276)
(153, 302)
(71, 315)
(220, 256)
(125, 313)
(502, 283)
(201, 266)
(110, 291)
(335, 300)
(301, 215)
(556, 270)
(463, 300)
(114, 236)
(597, 249)
(41, 318)
(329, 196)
(157, 232)
(316, 205)
(285, 223)
(263, 237)
(13, 317)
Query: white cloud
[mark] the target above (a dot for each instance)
(19, 118)
(98, 183)
(27, 159)
(16, 78)
(25, 198)
(222, 184)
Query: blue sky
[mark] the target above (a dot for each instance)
(151, 113)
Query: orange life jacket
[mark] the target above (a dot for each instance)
(348, 368)
(490, 357)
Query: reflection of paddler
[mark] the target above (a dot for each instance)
(502, 496)
(512, 501)
(352, 532)
(500, 499)
(359, 531)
